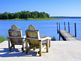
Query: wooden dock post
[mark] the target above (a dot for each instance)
(57, 27)
(75, 29)
(68, 27)
(59, 30)
(64, 26)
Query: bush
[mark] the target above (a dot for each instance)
(2, 39)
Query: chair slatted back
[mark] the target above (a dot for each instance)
(32, 34)
(15, 35)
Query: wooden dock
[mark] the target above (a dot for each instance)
(59, 51)
(67, 36)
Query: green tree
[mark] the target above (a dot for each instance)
(4, 15)
(24, 15)
(17, 15)
(10, 15)
(35, 14)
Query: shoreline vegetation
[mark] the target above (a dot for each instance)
(35, 19)
(34, 15)
(2, 39)
(25, 15)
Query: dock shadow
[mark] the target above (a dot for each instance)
(4, 52)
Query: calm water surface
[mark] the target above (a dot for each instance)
(46, 27)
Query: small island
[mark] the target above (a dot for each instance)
(27, 15)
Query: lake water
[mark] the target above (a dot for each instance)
(46, 27)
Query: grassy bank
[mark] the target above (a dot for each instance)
(2, 39)
(33, 19)
(37, 19)
(40, 18)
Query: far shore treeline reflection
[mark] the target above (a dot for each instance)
(23, 15)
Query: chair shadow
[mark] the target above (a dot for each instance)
(4, 52)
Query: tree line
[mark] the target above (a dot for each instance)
(24, 15)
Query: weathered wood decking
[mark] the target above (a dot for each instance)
(59, 51)
(66, 36)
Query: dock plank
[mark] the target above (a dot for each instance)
(67, 36)
(59, 51)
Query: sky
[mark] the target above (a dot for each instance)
(53, 7)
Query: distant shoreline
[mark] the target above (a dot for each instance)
(32, 19)
(64, 17)
(50, 18)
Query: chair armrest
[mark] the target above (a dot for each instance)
(15, 37)
(45, 40)
(32, 39)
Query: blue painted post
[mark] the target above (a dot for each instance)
(68, 27)
(57, 27)
(75, 30)
(64, 26)
(59, 30)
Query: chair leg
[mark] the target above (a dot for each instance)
(22, 48)
(40, 53)
(9, 46)
(27, 48)
(47, 45)
(40, 49)
(13, 46)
